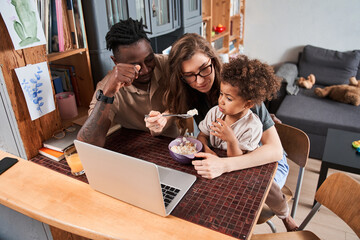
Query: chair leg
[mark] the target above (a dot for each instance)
(272, 226)
(297, 192)
(309, 216)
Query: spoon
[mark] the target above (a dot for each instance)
(174, 115)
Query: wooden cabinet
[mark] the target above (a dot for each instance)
(191, 12)
(185, 16)
(160, 16)
(33, 133)
(229, 14)
(80, 59)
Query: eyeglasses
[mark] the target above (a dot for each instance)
(206, 71)
(62, 132)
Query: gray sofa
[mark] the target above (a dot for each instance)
(301, 108)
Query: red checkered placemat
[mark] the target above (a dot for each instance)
(227, 204)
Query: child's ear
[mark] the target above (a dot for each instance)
(249, 104)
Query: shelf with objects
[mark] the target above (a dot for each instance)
(69, 64)
(67, 50)
(72, 54)
(223, 23)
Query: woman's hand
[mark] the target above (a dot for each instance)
(274, 118)
(210, 167)
(223, 131)
(155, 122)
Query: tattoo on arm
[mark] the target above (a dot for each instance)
(96, 126)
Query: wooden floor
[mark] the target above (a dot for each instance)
(325, 224)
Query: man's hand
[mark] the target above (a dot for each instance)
(121, 75)
(210, 167)
(155, 122)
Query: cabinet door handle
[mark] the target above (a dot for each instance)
(154, 11)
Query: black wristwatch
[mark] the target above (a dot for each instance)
(101, 97)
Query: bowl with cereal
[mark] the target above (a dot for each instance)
(182, 149)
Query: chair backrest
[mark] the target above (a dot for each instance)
(295, 142)
(341, 194)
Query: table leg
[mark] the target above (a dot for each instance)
(322, 176)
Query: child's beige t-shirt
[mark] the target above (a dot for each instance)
(248, 130)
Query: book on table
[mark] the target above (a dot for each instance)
(59, 144)
(52, 154)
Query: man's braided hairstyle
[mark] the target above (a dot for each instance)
(125, 32)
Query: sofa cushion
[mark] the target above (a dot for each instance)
(315, 115)
(329, 67)
(289, 72)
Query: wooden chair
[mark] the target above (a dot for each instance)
(340, 193)
(297, 145)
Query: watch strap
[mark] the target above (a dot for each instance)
(101, 97)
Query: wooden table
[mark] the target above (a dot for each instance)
(223, 208)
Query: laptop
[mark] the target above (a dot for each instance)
(143, 184)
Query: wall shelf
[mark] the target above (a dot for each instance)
(59, 55)
(207, 18)
(217, 12)
(220, 35)
(33, 133)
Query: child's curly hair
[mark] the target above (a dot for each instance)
(255, 80)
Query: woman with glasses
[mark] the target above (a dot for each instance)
(195, 86)
(194, 82)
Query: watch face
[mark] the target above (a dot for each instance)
(101, 97)
(99, 94)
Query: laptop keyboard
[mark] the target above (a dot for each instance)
(169, 193)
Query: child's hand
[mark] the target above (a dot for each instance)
(223, 131)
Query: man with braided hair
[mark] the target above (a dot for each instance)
(131, 89)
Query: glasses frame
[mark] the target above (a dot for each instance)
(59, 134)
(199, 73)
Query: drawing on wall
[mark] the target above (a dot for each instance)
(23, 23)
(36, 85)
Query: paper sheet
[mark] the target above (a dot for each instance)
(36, 85)
(23, 23)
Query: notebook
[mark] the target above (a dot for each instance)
(62, 143)
(133, 180)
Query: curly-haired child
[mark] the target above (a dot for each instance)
(232, 126)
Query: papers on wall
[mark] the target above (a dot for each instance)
(36, 85)
(23, 23)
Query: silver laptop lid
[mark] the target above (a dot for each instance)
(126, 178)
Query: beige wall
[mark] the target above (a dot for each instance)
(276, 30)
